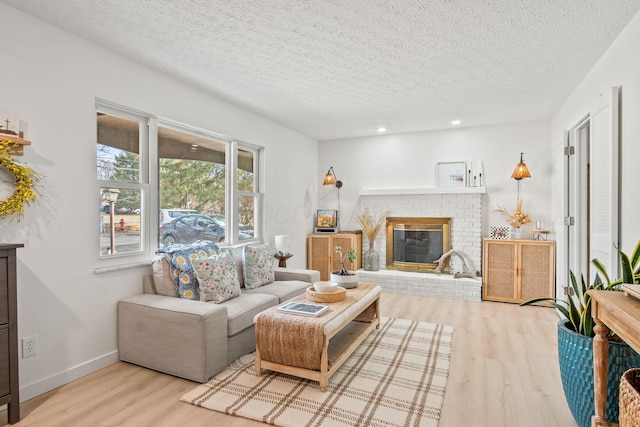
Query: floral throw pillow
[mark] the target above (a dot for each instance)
(258, 265)
(180, 258)
(217, 277)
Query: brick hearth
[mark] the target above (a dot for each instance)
(424, 284)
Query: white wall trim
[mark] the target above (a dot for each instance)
(47, 384)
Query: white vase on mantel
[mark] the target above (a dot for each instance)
(349, 281)
(516, 233)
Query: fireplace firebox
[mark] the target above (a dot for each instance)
(415, 244)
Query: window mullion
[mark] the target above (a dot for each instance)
(232, 192)
(153, 166)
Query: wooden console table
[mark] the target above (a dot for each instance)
(621, 313)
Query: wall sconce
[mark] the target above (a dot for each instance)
(330, 178)
(521, 170)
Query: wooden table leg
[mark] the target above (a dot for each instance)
(600, 372)
(258, 363)
(324, 366)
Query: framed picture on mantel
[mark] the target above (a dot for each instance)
(451, 174)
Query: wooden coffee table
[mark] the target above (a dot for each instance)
(315, 347)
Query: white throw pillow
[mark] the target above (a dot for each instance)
(162, 277)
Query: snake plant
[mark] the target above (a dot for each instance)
(577, 307)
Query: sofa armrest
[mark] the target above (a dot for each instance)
(283, 274)
(179, 337)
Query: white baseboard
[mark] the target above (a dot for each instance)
(39, 387)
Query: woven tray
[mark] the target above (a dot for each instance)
(630, 399)
(339, 295)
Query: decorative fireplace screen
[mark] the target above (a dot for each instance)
(414, 244)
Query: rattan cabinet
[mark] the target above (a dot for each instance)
(321, 252)
(518, 270)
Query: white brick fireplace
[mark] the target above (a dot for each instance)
(462, 205)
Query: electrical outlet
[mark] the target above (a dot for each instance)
(29, 346)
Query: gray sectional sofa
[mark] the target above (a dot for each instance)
(193, 339)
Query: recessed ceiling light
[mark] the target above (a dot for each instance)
(382, 129)
(456, 122)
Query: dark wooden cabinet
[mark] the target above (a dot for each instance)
(9, 388)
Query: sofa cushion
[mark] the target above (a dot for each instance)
(282, 290)
(182, 272)
(217, 277)
(164, 284)
(258, 265)
(241, 310)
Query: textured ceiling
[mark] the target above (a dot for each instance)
(342, 68)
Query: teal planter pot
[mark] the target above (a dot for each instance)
(575, 354)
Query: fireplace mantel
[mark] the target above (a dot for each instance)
(423, 190)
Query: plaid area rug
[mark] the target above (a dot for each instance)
(396, 377)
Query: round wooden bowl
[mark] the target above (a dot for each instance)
(338, 295)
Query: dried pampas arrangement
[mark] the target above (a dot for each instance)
(369, 226)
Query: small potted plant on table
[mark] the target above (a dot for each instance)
(347, 279)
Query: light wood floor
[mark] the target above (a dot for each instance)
(504, 372)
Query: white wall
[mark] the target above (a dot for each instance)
(51, 79)
(619, 66)
(409, 161)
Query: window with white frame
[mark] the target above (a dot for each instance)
(248, 194)
(207, 184)
(122, 180)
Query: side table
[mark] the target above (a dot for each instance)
(282, 259)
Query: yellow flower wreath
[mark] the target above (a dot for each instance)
(26, 179)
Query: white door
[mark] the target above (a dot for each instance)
(577, 201)
(591, 191)
(604, 235)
